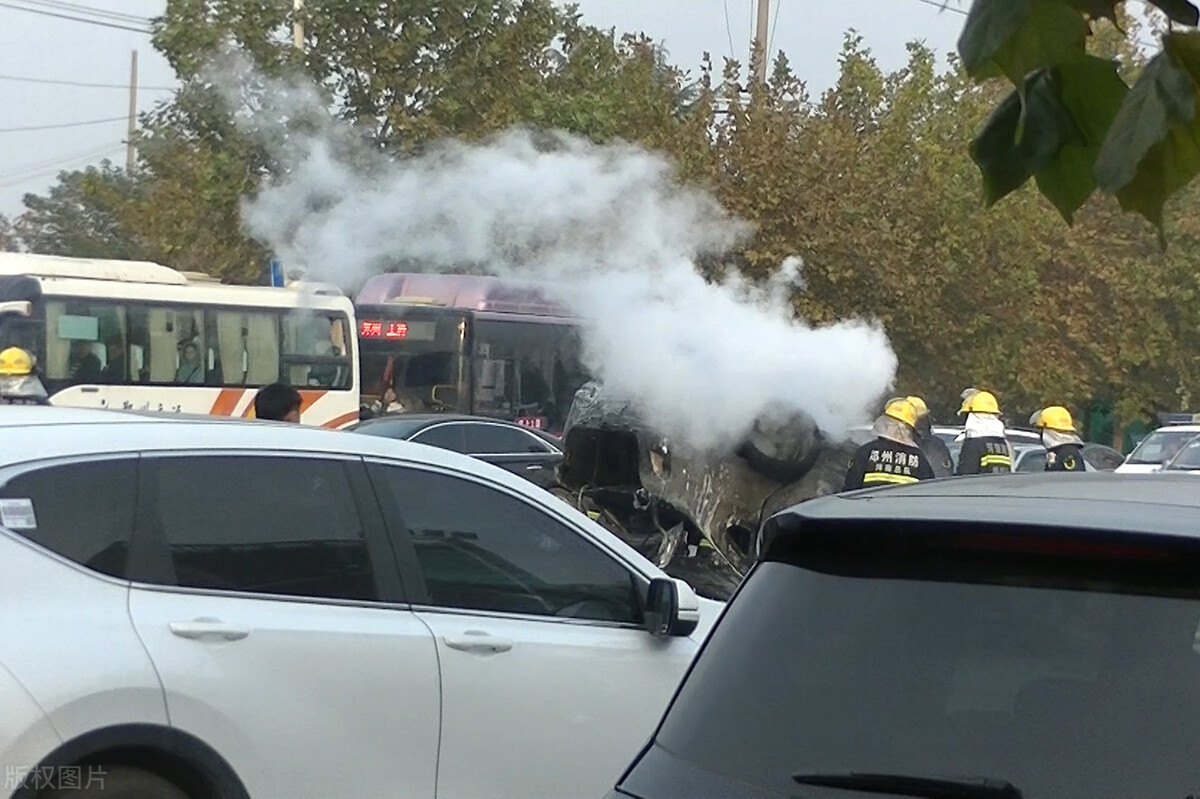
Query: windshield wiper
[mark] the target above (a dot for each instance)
(903, 785)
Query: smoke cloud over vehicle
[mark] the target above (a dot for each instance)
(608, 230)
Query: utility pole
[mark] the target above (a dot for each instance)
(130, 147)
(297, 25)
(761, 37)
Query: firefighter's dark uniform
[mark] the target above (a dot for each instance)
(1065, 458)
(985, 455)
(887, 462)
(936, 453)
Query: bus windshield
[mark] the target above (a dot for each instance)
(526, 370)
(418, 353)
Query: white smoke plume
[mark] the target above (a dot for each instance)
(608, 230)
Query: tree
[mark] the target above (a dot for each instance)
(1071, 121)
(870, 185)
(79, 216)
(402, 74)
(8, 239)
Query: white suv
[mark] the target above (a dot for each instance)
(214, 609)
(1158, 448)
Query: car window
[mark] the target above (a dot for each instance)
(921, 678)
(481, 549)
(82, 511)
(1033, 460)
(498, 439)
(262, 524)
(446, 436)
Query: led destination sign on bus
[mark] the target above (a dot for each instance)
(412, 331)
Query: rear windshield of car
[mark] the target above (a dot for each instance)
(1063, 693)
(1160, 446)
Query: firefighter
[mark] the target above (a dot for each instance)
(19, 383)
(985, 448)
(893, 458)
(1064, 447)
(935, 450)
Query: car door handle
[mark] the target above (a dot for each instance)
(197, 629)
(533, 467)
(478, 642)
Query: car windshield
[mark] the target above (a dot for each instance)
(1160, 446)
(1063, 693)
(1188, 457)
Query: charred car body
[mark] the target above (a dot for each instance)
(695, 514)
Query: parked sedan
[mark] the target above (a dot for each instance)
(1026, 636)
(529, 453)
(224, 609)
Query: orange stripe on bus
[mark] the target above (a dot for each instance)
(226, 401)
(338, 421)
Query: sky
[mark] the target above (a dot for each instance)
(39, 47)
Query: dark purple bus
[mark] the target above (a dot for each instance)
(468, 344)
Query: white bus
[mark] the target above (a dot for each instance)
(137, 335)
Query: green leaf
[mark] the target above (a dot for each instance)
(1179, 10)
(1046, 124)
(1164, 95)
(990, 24)
(1153, 146)
(1185, 51)
(1092, 91)
(1067, 181)
(1167, 167)
(994, 150)
(1052, 34)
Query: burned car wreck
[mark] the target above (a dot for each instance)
(694, 514)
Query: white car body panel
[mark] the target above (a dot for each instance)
(323, 698)
(1138, 468)
(559, 714)
(92, 644)
(347, 696)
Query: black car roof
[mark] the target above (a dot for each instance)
(1163, 504)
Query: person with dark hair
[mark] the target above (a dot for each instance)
(114, 371)
(82, 366)
(277, 402)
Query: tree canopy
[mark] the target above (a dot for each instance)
(870, 182)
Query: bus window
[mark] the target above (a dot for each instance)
(167, 345)
(315, 350)
(243, 348)
(526, 369)
(82, 338)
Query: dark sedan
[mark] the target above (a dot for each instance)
(529, 453)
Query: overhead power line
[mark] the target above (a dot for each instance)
(57, 126)
(88, 11)
(85, 20)
(51, 168)
(944, 5)
(86, 85)
(37, 166)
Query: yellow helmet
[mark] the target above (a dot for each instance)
(919, 406)
(1056, 417)
(902, 410)
(980, 402)
(15, 362)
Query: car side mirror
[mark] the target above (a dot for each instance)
(671, 610)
